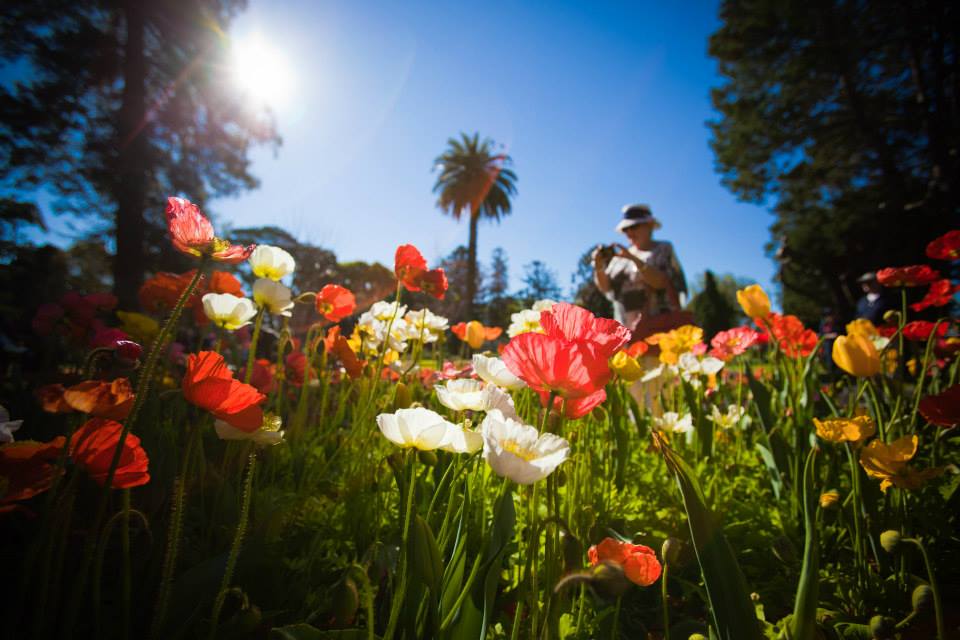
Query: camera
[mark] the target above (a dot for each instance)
(607, 251)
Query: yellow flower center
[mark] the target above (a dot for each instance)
(516, 449)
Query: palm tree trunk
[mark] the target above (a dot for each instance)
(130, 192)
(471, 295)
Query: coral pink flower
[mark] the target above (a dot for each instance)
(94, 445)
(210, 385)
(921, 329)
(794, 339)
(192, 233)
(913, 276)
(733, 342)
(939, 294)
(639, 563)
(335, 302)
(601, 336)
(946, 247)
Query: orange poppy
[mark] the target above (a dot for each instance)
(210, 385)
(94, 445)
(639, 562)
(335, 302)
(101, 399)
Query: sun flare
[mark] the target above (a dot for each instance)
(261, 71)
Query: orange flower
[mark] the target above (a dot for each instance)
(335, 302)
(913, 276)
(855, 430)
(637, 349)
(210, 385)
(160, 293)
(219, 282)
(94, 445)
(51, 399)
(474, 333)
(341, 349)
(101, 399)
(27, 468)
(795, 340)
(639, 563)
(888, 463)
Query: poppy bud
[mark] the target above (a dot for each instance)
(697, 636)
(561, 478)
(428, 458)
(891, 316)
(882, 627)
(609, 580)
(670, 551)
(128, 350)
(829, 499)
(345, 602)
(403, 398)
(922, 598)
(890, 540)
(572, 551)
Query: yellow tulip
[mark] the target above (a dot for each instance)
(754, 301)
(856, 429)
(856, 355)
(863, 327)
(626, 367)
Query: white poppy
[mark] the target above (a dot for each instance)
(385, 310)
(543, 305)
(228, 311)
(691, 365)
(461, 395)
(727, 420)
(7, 426)
(273, 296)
(674, 422)
(525, 321)
(460, 440)
(417, 427)
(518, 452)
(271, 262)
(426, 325)
(495, 398)
(268, 434)
(494, 371)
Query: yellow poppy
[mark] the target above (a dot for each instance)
(888, 463)
(856, 429)
(676, 342)
(754, 301)
(626, 367)
(856, 355)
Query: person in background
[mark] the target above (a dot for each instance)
(644, 279)
(873, 303)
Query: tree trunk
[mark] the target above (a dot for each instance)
(130, 191)
(471, 294)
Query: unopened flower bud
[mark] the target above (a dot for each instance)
(922, 598)
(697, 636)
(128, 350)
(890, 540)
(670, 551)
(428, 458)
(882, 627)
(891, 317)
(608, 580)
(403, 398)
(345, 602)
(572, 552)
(829, 499)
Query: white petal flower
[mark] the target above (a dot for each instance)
(727, 420)
(494, 398)
(273, 296)
(228, 311)
(543, 305)
(525, 321)
(268, 434)
(271, 262)
(494, 371)
(461, 395)
(417, 427)
(385, 310)
(7, 426)
(672, 421)
(460, 440)
(518, 452)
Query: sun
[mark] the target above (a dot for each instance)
(261, 71)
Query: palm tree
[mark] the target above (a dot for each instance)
(474, 179)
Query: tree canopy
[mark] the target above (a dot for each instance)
(844, 116)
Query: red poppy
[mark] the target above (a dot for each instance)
(94, 445)
(637, 349)
(28, 469)
(296, 368)
(408, 265)
(639, 563)
(733, 342)
(335, 302)
(795, 340)
(921, 329)
(433, 282)
(210, 385)
(549, 364)
(939, 294)
(192, 233)
(887, 330)
(160, 293)
(46, 318)
(112, 400)
(346, 356)
(574, 408)
(946, 347)
(942, 409)
(601, 336)
(913, 276)
(262, 377)
(946, 247)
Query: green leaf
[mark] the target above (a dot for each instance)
(425, 557)
(803, 625)
(733, 613)
(768, 460)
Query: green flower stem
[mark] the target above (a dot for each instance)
(235, 547)
(921, 378)
(382, 352)
(143, 390)
(859, 555)
(615, 628)
(254, 339)
(173, 539)
(937, 603)
(126, 582)
(663, 598)
(397, 605)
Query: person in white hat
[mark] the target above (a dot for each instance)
(643, 280)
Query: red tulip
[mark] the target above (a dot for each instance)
(942, 409)
(639, 563)
(939, 294)
(913, 276)
(210, 385)
(946, 247)
(919, 330)
(335, 302)
(93, 446)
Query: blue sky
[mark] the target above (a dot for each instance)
(599, 105)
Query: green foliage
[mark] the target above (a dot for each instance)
(714, 303)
